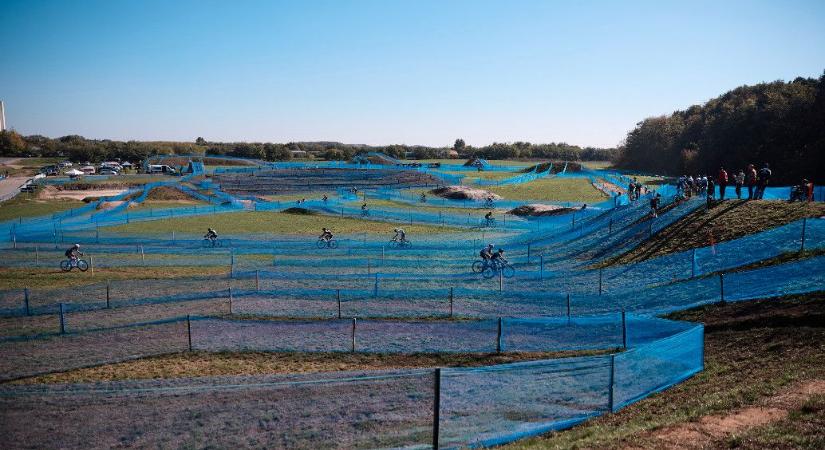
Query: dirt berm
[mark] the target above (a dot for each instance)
(464, 193)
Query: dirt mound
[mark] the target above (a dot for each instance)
(167, 193)
(298, 211)
(104, 206)
(539, 210)
(464, 193)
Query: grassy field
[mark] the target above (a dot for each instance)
(271, 222)
(728, 220)
(18, 278)
(551, 189)
(460, 161)
(198, 364)
(598, 164)
(754, 352)
(24, 205)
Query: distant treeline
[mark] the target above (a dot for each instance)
(780, 123)
(78, 148)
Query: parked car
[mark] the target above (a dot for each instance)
(105, 170)
(88, 170)
(65, 164)
(158, 168)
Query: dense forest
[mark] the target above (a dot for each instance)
(78, 148)
(779, 123)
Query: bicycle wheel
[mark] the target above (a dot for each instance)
(478, 266)
(333, 244)
(206, 243)
(508, 272)
(82, 265)
(65, 265)
(321, 243)
(488, 272)
(217, 243)
(393, 243)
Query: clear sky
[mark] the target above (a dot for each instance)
(385, 72)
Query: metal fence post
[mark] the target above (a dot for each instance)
(257, 280)
(26, 300)
(722, 287)
(338, 297)
(436, 406)
(693, 264)
(108, 291)
(92, 263)
(624, 330)
(354, 321)
(612, 382)
(451, 302)
(528, 253)
(498, 336)
(369, 266)
(36, 254)
(189, 331)
(541, 267)
(610, 226)
(804, 226)
(601, 269)
(62, 319)
(568, 306)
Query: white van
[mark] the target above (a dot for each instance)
(158, 168)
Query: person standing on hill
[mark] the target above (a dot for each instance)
(710, 192)
(762, 181)
(722, 179)
(739, 180)
(750, 180)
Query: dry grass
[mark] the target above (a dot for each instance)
(18, 278)
(726, 221)
(551, 189)
(198, 364)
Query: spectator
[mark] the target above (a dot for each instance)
(722, 180)
(762, 180)
(654, 205)
(750, 179)
(631, 189)
(710, 192)
(739, 180)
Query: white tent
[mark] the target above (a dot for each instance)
(74, 173)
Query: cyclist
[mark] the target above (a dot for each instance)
(497, 260)
(423, 198)
(73, 252)
(326, 235)
(489, 218)
(400, 235)
(211, 234)
(486, 254)
(325, 198)
(364, 210)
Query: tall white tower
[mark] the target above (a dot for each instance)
(2, 117)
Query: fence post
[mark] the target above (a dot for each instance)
(382, 255)
(528, 253)
(108, 289)
(501, 280)
(451, 302)
(568, 307)
(624, 330)
(354, 321)
(338, 297)
(257, 280)
(92, 263)
(601, 269)
(369, 266)
(14, 240)
(610, 227)
(375, 289)
(612, 382)
(26, 300)
(36, 254)
(650, 229)
(230, 299)
(62, 319)
(189, 331)
(722, 287)
(693, 264)
(436, 406)
(173, 236)
(541, 267)
(232, 265)
(498, 336)
(804, 226)
(142, 255)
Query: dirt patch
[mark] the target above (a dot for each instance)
(51, 193)
(298, 211)
(725, 221)
(464, 193)
(713, 428)
(104, 206)
(167, 193)
(198, 364)
(539, 210)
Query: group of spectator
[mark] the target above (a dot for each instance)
(755, 182)
(634, 190)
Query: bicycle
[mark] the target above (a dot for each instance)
(68, 264)
(507, 271)
(365, 213)
(207, 243)
(402, 243)
(490, 223)
(327, 243)
(479, 265)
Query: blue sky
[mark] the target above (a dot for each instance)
(385, 72)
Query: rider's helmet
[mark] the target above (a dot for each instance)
(211, 229)
(501, 250)
(76, 246)
(396, 230)
(490, 245)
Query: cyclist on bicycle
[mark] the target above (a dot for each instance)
(400, 235)
(326, 235)
(489, 218)
(325, 198)
(364, 210)
(211, 234)
(423, 198)
(73, 252)
(497, 260)
(486, 254)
